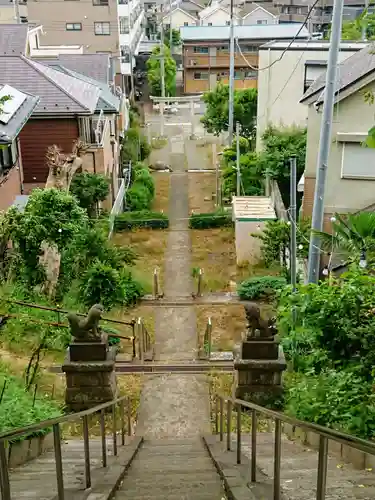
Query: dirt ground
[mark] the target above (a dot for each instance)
(201, 191)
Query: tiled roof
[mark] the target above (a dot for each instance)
(352, 69)
(9, 131)
(250, 32)
(248, 8)
(59, 93)
(13, 39)
(94, 66)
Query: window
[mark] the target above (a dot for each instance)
(124, 2)
(186, 24)
(249, 48)
(227, 23)
(125, 54)
(73, 27)
(250, 74)
(223, 48)
(200, 76)
(262, 21)
(238, 75)
(124, 25)
(167, 26)
(100, 2)
(209, 24)
(102, 28)
(357, 162)
(8, 158)
(201, 50)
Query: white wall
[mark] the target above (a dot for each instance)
(259, 15)
(278, 105)
(218, 18)
(179, 17)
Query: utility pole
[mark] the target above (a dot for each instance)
(293, 217)
(364, 22)
(238, 176)
(325, 141)
(17, 11)
(170, 26)
(231, 73)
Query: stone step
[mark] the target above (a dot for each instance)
(172, 470)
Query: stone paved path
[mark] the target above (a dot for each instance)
(176, 405)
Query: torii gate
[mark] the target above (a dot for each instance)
(165, 100)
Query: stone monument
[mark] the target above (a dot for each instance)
(259, 361)
(89, 365)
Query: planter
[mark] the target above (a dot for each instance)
(28, 449)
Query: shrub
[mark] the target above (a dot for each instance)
(132, 220)
(138, 197)
(210, 220)
(143, 176)
(90, 189)
(340, 400)
(18, 409)
(105, 285)
(260, 287)
(102, 284)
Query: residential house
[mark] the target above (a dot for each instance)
(258, 14)
(288, 71)
(100, 26)
(350, 185)
(8, 14)
(193, 7)
(179, 17)
(14, 117)
(215, 15)
(69, 108)
(206, 53)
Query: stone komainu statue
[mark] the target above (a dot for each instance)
(86, 329)
(255, 321)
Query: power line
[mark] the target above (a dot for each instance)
(287, 48)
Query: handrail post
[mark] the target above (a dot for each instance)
(58, 461)
(4, 474)
(239, 433)
(216, 415)
(277, 461)
(200, 276)
(156, 284)
(114, 430)
(129, 412)
(122, 419)
(140, 340)
(229, 422)
(86, 446)
(221, 419)
(104, 444)
(253, 445)
(209, 336)
(322, 468)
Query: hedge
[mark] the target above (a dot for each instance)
(144, 218)
(210, 220)
(260, 287)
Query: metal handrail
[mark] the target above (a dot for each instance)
(55, 423)
(324, 435)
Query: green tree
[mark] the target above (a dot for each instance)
(176, 39)
(216, 117)
(352, 30)
(154, 74)
(90, 189)
(134, 146)
(353, 234)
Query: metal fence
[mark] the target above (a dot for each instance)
(117, 208)
(325, 434)
(55, 424)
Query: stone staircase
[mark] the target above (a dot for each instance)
(167, 469)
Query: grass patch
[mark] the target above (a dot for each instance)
(161, 200)
(150, 247)
(201, 191)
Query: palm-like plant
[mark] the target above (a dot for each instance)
(353, 233)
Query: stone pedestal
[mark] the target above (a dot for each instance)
(259, 362)
(90, 374)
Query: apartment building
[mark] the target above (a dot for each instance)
(113, 27)
(206, 53)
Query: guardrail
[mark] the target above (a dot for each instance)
(325, 434)
(144, 339)
(55, 423)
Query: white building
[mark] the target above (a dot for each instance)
(215, 15)
(285, 75)
(178, 18)
(130, 16)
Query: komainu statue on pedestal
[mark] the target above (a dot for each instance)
(86, 329)
(266, 328)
